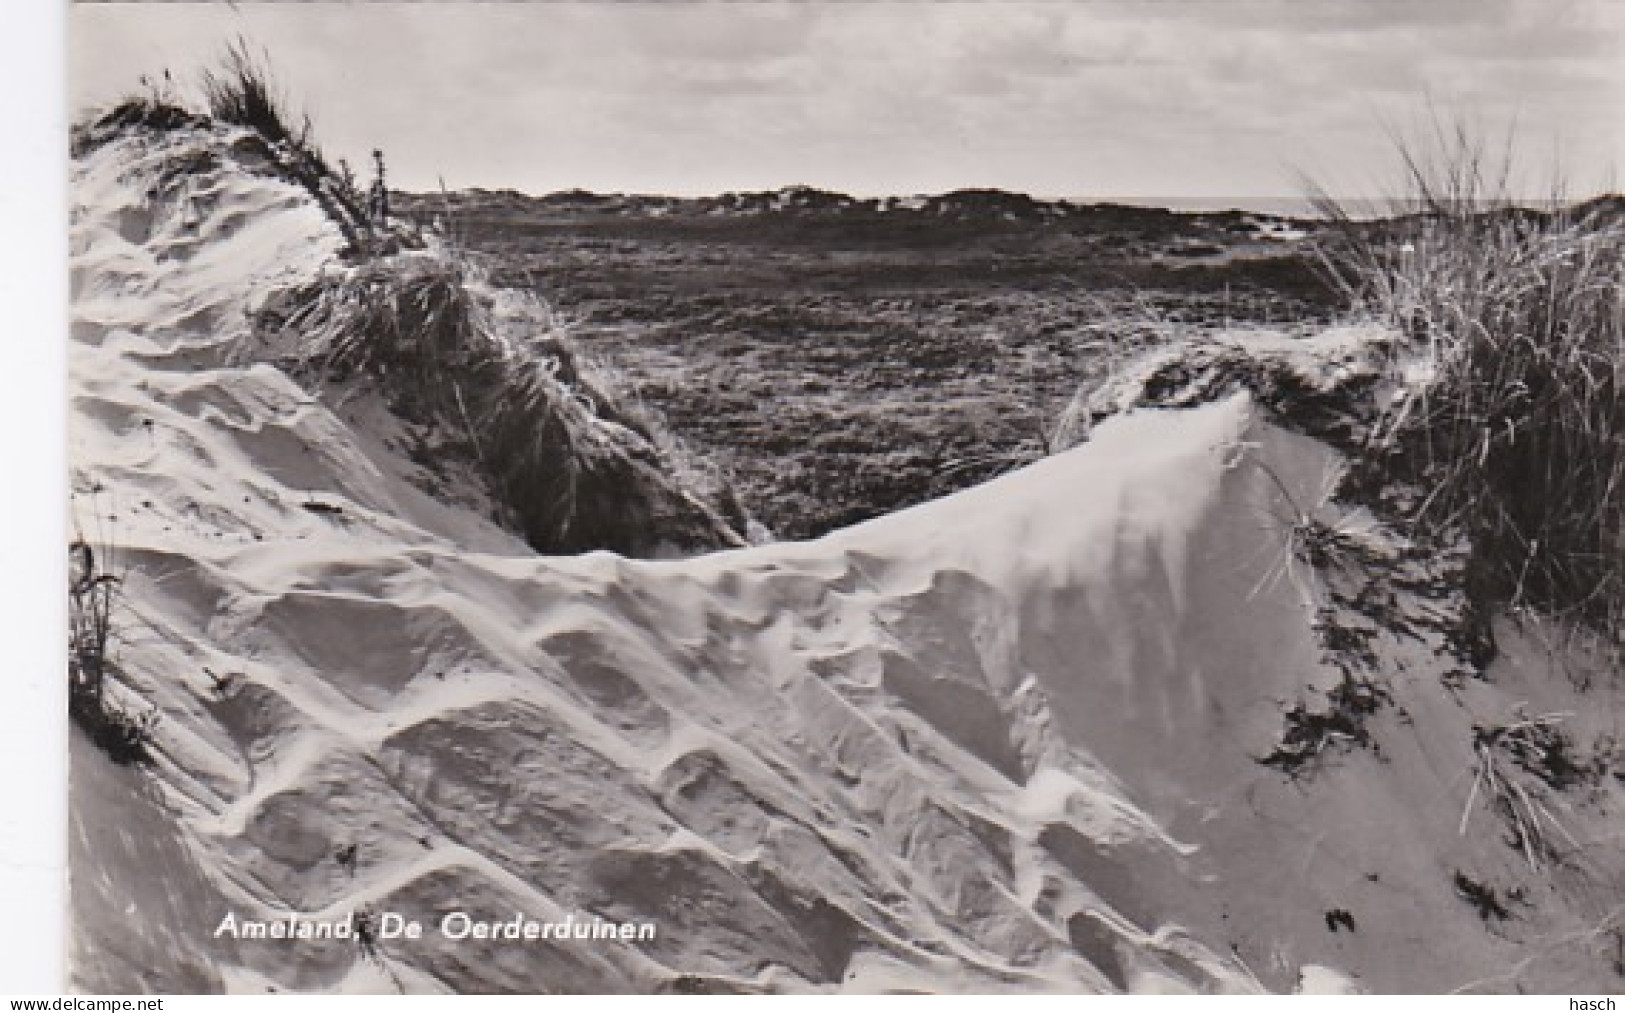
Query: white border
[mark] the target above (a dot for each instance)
(33, 306)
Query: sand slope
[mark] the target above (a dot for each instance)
(1007, 740)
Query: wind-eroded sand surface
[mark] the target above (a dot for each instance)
(1008, 740)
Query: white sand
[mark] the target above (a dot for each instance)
(1007, 740)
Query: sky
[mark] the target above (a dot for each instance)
(1140, 99)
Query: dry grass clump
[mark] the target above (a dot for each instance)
(243, 91)
(575, 471)
(1509, 418)
(1308, 734)
(92, 600)
(1537, 746)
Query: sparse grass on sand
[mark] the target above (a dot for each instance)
(576, 471)
(1508, 416)
(571, 468)
(243, 92)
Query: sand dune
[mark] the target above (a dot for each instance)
(1009, 740)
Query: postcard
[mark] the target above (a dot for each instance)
(1086, 497)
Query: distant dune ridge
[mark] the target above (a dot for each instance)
(1154, 713)
(974, 204)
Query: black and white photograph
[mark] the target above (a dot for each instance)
(1109, 496)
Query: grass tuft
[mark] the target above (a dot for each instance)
(572, 468)
(575, 471)
(244, 92)
(1309, 734)
(92, 599)
(1508, 417)
(154, 108)
(1539, 747)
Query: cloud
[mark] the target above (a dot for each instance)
(1104, 95)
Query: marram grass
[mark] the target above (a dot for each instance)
(1508, 417)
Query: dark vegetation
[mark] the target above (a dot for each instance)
(568, 467)
(1519, 766)
(1512, 426)
(1484, 898)
(841, 359)
(93, 596)
(1505, 444)
(243, 92)
(1497, 466)
(572, 470)
(1308, 734)
(1541, 748)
